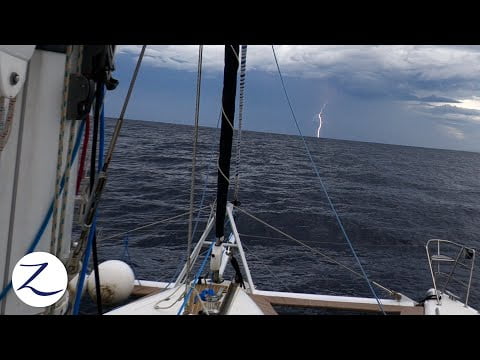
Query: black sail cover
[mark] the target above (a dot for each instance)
(228, 113)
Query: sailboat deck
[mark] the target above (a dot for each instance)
(142, 290)
(265, 300)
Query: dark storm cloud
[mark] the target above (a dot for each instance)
(433, 98)
(393, 94)
(449, 109)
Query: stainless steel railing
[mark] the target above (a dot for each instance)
(453, 254)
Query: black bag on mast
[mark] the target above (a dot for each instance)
(228, 113)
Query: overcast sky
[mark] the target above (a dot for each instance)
(408, 95)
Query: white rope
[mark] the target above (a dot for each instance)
(158, 307)
(71, 138)
(61, 135)
(235, 53)
(157, 304)
(221, 172)
(229, 123)
(218, 159)
(226, 118)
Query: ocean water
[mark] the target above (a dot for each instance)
(391, 200)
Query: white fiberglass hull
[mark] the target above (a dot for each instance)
(170, 301)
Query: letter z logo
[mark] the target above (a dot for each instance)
(38, 292)
(46, 285)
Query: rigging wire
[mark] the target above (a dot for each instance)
(266, 267)
(100, 119)
(194, 159)
(391, 292)
(202, 200)
(333, 242)
(72, 263)
(324, 188)
(151, 224)
(93, 170)
(200, 208)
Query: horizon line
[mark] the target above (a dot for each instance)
(306, 136)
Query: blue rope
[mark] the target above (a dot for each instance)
(199, 272)
(324, 188)
(48, 215)
(126, 256)
(81, 280)
(83, 272)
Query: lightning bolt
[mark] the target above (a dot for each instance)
(320, 120)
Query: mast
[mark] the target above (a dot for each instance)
(228, 113)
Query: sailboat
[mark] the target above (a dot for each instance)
(58, 89)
